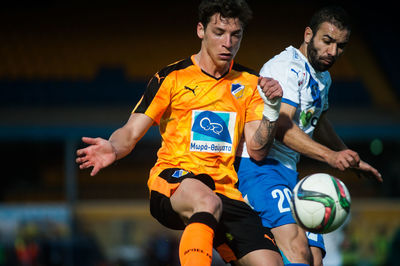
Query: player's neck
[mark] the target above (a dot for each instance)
(303, 49)
(205, 62)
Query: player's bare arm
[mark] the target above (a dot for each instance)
(259, 135)
(296, 139)
(101, 153)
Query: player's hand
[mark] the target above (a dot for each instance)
(99, 154)
(367, 171)
(344, 159)
(271, 92)
(270, 88)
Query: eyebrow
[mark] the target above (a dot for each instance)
(224, 30)
(330, 38)
(333, 39)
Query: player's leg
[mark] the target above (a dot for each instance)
(267, 186)
(201, 208)
(241, 239)
(317, 256)
(193, 196)
(182, 200)
(293, 243)
(262, 257)
(317, 246)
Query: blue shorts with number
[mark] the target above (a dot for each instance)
(267, 187)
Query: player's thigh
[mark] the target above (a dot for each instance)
(272, 204)
(194, 196)
(163, 185)
(261, 257)
(268, 188)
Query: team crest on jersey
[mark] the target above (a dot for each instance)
(237, 90)
(212, 131)
(179, 173)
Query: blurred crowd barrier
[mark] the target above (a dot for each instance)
(124, 233)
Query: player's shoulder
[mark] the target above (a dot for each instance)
(178, 65)
(240, 68)
(285, 60)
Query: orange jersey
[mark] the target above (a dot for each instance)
(201, 120)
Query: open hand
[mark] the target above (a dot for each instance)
(99, 154)
(367, 171)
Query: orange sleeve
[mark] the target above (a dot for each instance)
(156, 98)
(254, 110)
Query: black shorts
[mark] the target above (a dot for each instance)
(239, 230)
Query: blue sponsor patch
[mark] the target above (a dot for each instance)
(212, 131)
(212, 126)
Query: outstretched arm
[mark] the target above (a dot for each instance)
(101, 153)
(296, 139)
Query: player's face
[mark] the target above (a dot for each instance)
(221, 39)
(326, 46)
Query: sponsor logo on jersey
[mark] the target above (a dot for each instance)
(212, 131)
(179, 173)
(237, 90)
(310, 115)
(306, 116)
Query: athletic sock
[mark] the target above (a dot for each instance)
(195, 248)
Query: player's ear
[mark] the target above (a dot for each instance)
(200, 30)
(308, 34)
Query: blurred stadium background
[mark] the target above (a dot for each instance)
(70, 69)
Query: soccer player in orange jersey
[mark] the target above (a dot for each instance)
(203, 105)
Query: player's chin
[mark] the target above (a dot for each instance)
(323, 67)
(326, 64)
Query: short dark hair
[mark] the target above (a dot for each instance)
(333, 14)
(227, 8)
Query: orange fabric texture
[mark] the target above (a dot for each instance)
(201, 119)
(195, 248)
(226, 253)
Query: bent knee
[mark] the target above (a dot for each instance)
(210, 203)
